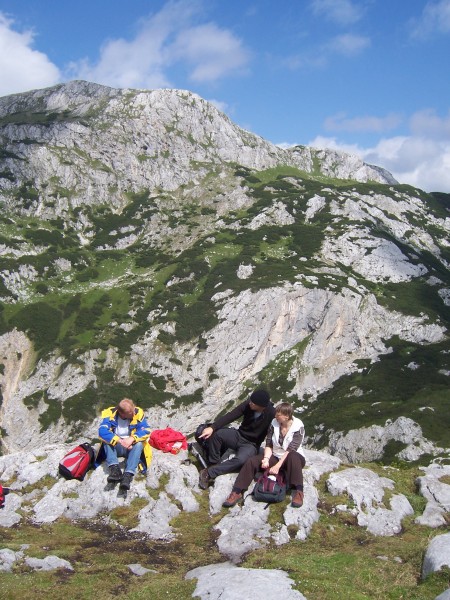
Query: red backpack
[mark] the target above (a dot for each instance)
(76, 463)
(168, 440)
(3, 492)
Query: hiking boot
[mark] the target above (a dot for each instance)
(297, 499)
(126, 481)
(203, 480)
(115, 474)
(232, 499)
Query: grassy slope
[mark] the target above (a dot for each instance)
(338, 561)
(81, 309)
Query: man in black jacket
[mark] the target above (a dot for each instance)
(257, 412)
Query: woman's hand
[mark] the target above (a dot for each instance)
(265, 463)
(275, 469)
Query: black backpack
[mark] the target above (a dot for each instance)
(270, 488)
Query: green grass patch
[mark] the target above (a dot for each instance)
(339, 560)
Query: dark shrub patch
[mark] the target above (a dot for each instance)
(41, 322)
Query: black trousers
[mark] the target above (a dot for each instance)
(228, 439)
(292, 467)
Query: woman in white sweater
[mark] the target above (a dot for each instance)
(283, 450)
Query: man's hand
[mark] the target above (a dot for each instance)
(206, 433)
(126, 442)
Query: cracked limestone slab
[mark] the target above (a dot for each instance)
(8, 558)
(366, 489)
(305, 516)
(8, 514)
(244, 528)
(225, 581)
(183, 479)
(154, 518)
(85, 499)
(437, 494)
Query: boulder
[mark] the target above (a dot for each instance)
(49, 563)
(437, 555)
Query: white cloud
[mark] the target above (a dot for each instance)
(349, 44)
(21, 67)
(299, 61)
(334, 144)
(345, 45)
(418, 161)
(428, 123)
(222, 106)
(168, 38)
(340, 122)
(343, 12)
(435, 18)
(212, 52)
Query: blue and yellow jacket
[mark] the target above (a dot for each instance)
(139, 430)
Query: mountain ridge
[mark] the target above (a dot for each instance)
(184, 262)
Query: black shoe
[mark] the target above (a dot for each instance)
(115, 474)
(203, 480)
(126, 481)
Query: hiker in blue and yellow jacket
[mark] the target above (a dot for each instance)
(124, 432)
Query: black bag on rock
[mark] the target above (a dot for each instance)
(270, 488)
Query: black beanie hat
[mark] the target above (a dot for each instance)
(260, 398)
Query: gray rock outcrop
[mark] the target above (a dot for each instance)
(437, 494)
(366, 489)
(172, 138)
(367, 443)
(225, 581)
(437, 555)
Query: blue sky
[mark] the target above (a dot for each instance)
(371, 77)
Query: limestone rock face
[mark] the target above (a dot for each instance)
(102, 142)
(367, 444)
(149, 245)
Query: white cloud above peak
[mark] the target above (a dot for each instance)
(22, 67)
(420, 158)
(369, 123)
(212, 52)
(166, 39)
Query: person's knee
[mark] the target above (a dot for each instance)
(138, 446)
